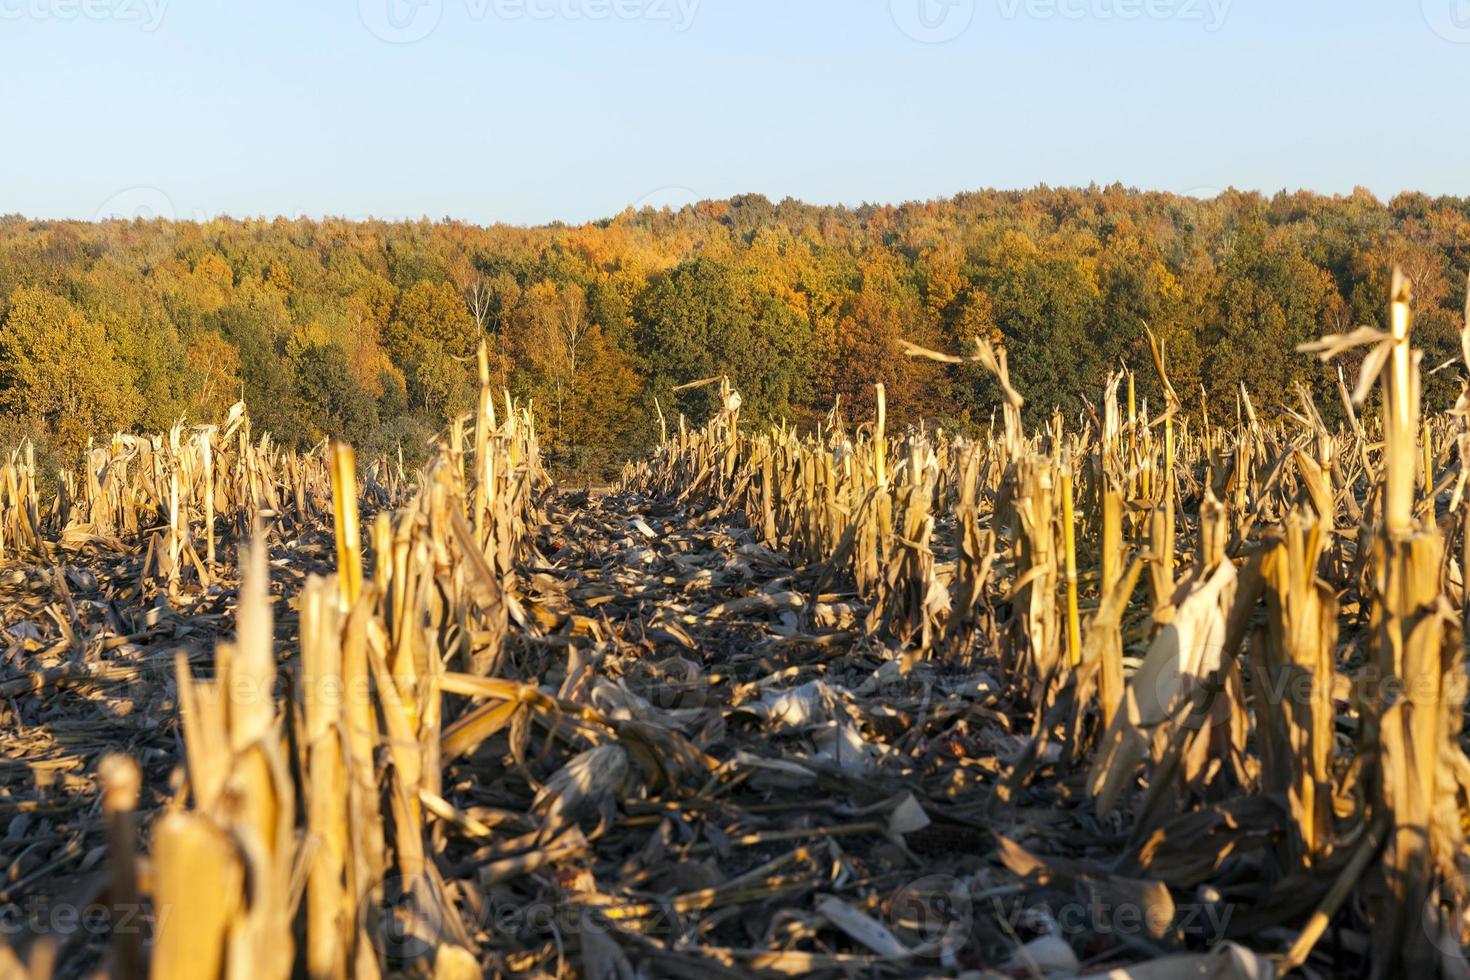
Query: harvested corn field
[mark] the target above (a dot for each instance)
(1131, 694)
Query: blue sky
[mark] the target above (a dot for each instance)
(528, 111)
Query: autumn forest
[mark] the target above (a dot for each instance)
(367, 330)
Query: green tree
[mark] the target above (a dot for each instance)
(439, 385)
(336, 404)
(258, 325)
(704, 319)
(1269, 299)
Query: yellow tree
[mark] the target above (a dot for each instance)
(213, 365)
(583, 375)
(58, 367)
(554, 327)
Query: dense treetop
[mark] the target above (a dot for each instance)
(367, 329)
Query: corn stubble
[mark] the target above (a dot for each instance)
(355, 737)
(1230, 658)
(303, 812)
(1290, 735)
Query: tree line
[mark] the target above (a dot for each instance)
(367, 330)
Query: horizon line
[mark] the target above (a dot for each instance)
(150, 205)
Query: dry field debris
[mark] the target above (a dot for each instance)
(1137, 695)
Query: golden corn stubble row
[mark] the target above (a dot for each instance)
(1229, 525)
(235, 870)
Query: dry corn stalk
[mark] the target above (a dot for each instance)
(231, 871)
(241, 826)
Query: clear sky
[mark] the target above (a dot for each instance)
(528, 111)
